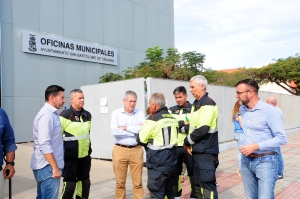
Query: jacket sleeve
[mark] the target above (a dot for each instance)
(8, 138)
(207, 116)
(146, 133)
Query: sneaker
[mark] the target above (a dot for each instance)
(279, 177)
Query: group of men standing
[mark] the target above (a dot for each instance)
(183, 133)
(193, 127)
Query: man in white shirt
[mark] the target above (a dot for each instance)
(125, 125)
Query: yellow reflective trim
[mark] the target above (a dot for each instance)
(79, 189)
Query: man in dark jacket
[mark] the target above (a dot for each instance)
(182, 112)
(159, 136)
(202, 141)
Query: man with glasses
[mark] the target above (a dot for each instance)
(263, 134)
(126, 124)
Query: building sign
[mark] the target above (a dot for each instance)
(58, 47)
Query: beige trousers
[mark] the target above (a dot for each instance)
(122, 157)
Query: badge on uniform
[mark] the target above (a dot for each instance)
(177, 111)
(76, 118)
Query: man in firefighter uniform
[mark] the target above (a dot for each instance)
(159, 136)
(182, 113)
(202, 141)
(76, 125)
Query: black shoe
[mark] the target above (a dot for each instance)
(280, 177)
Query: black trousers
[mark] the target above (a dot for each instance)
(183, 156)
(205, 166)
(160, 184)
(76, 171)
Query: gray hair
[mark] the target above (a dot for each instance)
(158, 98)
(132, 93)
(272, 100)
(74, 91)
(200, 80)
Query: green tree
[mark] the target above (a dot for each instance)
(282, 72)
(193, 59)
(173, 66)
(110, 77)
(154, 54)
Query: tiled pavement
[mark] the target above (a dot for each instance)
(229, 185)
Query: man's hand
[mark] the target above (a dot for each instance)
(11, 173)
(186, 123)
(56, 173)
(188, 149)
(248, 149)
(141, 124)
(123, 128)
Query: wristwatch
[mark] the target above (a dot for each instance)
(12, 163)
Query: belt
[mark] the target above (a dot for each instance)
(255, 155)
(126, 146)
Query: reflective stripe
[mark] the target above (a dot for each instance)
(76, 137)
(190, 140)
(182, 129)
(213, 130)
(159, 147)
(166, 136)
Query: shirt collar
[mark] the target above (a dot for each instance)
(133, 112)
(187, 107)
(258, 106)
(50, 107)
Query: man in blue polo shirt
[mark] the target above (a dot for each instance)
(8, 147)
(263, 134)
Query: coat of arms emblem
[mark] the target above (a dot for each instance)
(32, 43)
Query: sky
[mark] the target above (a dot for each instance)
(238, 33)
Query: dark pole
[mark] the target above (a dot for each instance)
(9, 184)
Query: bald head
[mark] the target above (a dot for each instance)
(272, 101)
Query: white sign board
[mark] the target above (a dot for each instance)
(58, 47)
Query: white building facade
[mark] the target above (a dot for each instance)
(96, 28)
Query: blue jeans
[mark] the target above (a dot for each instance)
(259, 176)
(47, 187)
(280, 163)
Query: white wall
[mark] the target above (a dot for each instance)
(223, 96)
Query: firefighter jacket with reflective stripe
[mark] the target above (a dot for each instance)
(76, 132)
(182, 114)
(159, 136)
(203, 131)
